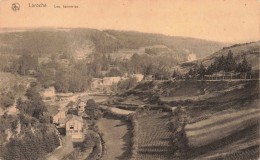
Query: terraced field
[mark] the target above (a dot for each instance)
(153, 136)
(226, 135)
(220, 126)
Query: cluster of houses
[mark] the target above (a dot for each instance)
(70, 119)
(106, 82)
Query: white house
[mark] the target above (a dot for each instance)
(108, 81)
(74, 127)
(192, 57)
(139, 77)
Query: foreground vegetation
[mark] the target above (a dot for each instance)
(29, 134)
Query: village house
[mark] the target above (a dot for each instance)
(49, 92)
(97, 83)
(104, 83)
(81, 106)
(139, 77)
(148, 77)
(74, 127)
(60, 118)
(192, 57)
(108, 81)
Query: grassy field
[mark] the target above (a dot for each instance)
(153, 136)
(115, 137)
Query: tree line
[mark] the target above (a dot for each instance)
(222, 65)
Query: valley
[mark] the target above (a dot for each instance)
(118, 95)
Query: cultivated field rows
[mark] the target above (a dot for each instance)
(153, 136)
(220, 126)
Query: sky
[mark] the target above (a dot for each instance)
(229, 21)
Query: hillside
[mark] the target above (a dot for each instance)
(221, 117)
(84, 41)
(251, 51)
(177, 45)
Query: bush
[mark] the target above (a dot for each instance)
(7, 99)
(126, 84)
(133, 134)
(93, 110)
(179, 140)
(90, 140)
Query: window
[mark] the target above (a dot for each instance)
(71, 126)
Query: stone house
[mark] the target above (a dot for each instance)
(74, 127)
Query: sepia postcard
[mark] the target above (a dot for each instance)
(129, 79)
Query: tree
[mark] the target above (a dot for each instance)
(230, 63)
(46, 76)
(61, 81)
(92, 109)
(244, 67)
(211, 69)
(190, 74)
(114, 72)
(176, 74)
(126, 84)
(220, 63)
(105, 63)
(26, 63)
(34, 106)
(149, 69)
(201, 71)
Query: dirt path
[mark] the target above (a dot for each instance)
(66, 148)
(115, 132)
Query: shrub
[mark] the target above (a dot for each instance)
(179, 140)
(93, 110)
(126, 84)
(7, 99)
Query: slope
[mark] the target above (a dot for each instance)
(251, 51)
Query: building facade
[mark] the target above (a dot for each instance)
(74, 127)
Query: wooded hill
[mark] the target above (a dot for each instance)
(240, 52)
(251, 51)
(68, 59)
(46, 41)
